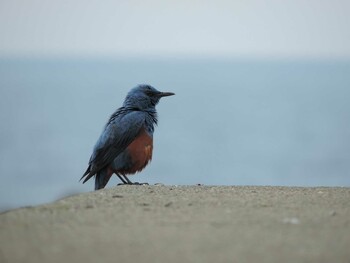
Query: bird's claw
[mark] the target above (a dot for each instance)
(134, 183)
(137, 183)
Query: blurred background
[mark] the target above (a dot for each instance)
(262, 91)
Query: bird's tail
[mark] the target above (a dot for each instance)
(101, 179)
(87, 173)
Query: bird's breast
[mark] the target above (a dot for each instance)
(140, 151)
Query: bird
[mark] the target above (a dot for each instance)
(125, 145)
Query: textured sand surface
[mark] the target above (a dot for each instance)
(183, 224)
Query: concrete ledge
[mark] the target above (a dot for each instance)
(183, 224)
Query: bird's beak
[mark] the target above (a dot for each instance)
(165, 94)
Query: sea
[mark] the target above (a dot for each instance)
(231, 122)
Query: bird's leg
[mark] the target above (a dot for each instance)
(127, 179)
(135, 183)
(122, 179)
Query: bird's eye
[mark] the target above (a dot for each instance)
(148, 90)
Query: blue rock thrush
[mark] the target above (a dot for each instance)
(126, 143)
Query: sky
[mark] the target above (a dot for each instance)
(250, 28)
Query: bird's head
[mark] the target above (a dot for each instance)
(144, 97)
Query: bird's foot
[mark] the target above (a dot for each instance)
(137, 183)
(133, 183)
(126, 180)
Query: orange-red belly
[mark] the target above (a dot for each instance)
(140, 152)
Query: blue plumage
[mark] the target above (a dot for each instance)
(125, 145)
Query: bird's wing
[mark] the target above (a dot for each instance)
(117, 135)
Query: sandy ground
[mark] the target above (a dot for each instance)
(183, 224)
